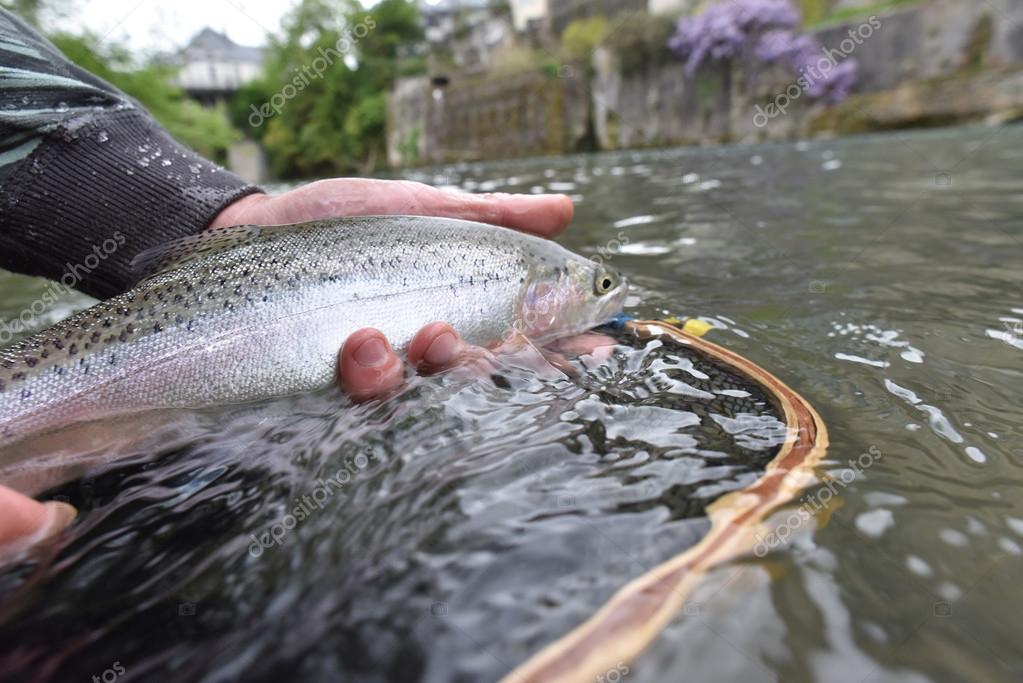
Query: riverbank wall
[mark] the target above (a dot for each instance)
(940, 62)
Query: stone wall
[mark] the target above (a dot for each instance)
(908, 55)
(936, 63)
(526, 114)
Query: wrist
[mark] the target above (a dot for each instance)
(240, 212)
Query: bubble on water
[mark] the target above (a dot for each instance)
(884, 499)
(863, 361)
(102, 136)
(976, 455)
(918, 566)
(832, 165)
(949, 591)
(875, 522)
(1009, 546)
(166, 162)
(143, 162)
(690, 178)
(645, 249)
(635, 220)
(561, 187)
(62, 107)
(954, 538)
(935, 417)
(196, 169)
(756, 160)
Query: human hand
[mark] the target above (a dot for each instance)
(544, 215)
(368, 368)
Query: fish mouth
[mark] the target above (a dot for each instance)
(613, 303)
(610, 307)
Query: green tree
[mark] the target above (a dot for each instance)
(321, 107)
(582, 37)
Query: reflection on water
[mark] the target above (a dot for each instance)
(879, 276)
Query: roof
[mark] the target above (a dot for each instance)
(451, 6)
(209, 43)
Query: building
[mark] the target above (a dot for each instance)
(466, 36)
(673, 7)
(213, 66)
(526, 11)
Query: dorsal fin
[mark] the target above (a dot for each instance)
(176, 253)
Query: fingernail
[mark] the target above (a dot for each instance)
(372, 352)
(442, 351)
(60, 517)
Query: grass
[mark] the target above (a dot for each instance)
(851, 13)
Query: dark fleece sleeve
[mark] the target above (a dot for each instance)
(87, 178)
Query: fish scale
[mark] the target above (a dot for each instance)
(250, 313)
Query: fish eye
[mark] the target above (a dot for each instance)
(605, 282)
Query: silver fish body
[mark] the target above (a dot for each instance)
(253, 313)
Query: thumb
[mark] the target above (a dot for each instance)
(24, 521)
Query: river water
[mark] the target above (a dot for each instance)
(879, 276)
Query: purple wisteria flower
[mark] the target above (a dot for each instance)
(819, 74)
(727, 28)
(721, 32)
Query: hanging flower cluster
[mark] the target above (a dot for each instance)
(725, 29)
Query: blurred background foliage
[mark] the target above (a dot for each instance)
(335, 123)
(336, 120)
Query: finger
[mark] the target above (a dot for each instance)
(368, 366)
(600, 346)
(519, 351)
(544, 215)
(22, 518)
(437, 347)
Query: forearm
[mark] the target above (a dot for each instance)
(87, 178)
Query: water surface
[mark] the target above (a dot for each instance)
(879, 276)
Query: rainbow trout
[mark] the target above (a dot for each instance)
(247, 313)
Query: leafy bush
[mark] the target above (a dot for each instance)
(582, 37)
(639, 39)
